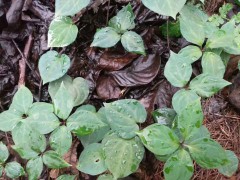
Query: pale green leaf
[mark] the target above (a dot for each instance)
(177, 71)
(133, 42)
(159, 139)
(208, 153)
(40, 107)
(230, 168)
(205, 85)
(66, 177)
(197, 133)
(91, 160)
(63, 102)
(106, 37)
(14, 170)
(122, 156)
(9, 119)
(22, 100)
(34, 168)
(212, 64)
(25, 152)
(60, 140)
(54, 161)
(163, 7)
(62, 32)
(3, 153)
(182, 99)
(53, 66)
(190, 53)
(179, 166)
(69, 7)
(105, 177)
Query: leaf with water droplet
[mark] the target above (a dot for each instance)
(57, 63)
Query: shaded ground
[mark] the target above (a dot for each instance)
(112, 74)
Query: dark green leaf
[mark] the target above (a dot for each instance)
(66, 177)
(171, 29)
(164, 116)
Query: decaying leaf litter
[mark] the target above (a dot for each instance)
(112, 74)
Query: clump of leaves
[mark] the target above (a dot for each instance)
(119, 29)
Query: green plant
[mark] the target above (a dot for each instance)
(119, 29)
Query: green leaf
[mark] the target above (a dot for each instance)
(133, 42)
(105, 177)
(78, 88)
(24, 136)
(25, 152)
(62, 32)
(9, 119)
(163, 158)
(225, 9)
(230, 168)
(70, 7)
(182, 99)
(179, 166)
(1, 170)
(124, 20)
(197, 133)
(122, 116)
(164, 116)
(177, 71)
(190, 53)
(14, 170)
(34, 168)
(106, 37)
(53, 66)
(91, 160)
(61, 140)
(159, 139)
(54, 161)
(192, 24)
(3, 153)
(22, 100)
(66, 177)
(212, 64)
(190, 117)
(162, 7)
(63, 102)
(40, 107)
(208, 153)
(171, 29)
(206, 85)
(122, 156)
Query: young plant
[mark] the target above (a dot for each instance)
(179, 138)
(11, 169)
(119, 29)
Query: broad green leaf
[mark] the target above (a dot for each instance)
(122, 116)
(9, 119)
(14, 170)
(212, 64)
(164, 116)
(34, 168)
(182, 99)
(171, 29)
(25, 152)
(70, 7)
(91, 160)
(1, 170)
(230, 168)
(159, 139)
(3, 153)
(163, 158)
(124, 20)
(179, 166)
(53, 66)
(62, 32)
(63, 102)
(106, 37)
(105, 177)
(84, 122)
(162, 7)
(40, 107)
(24, 136)
(78, 88)
(190, 53)
(54, 161)
(197, 133)
(66, 177)
(122, 156)
(206, 85)
(208, 153)
(61, 140)
(133, 42)
(177, 71)
(22, 100)
(87, 107)
(192, 24)
(190, 117)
